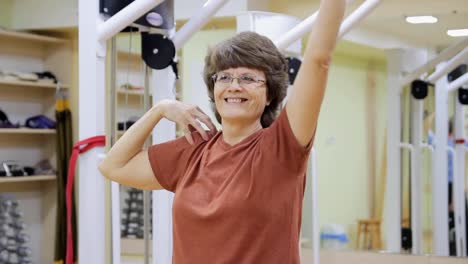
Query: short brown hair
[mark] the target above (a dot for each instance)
(251, 50)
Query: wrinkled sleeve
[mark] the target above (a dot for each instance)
(280, 139)
(169, 160)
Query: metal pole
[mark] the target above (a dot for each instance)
(315, 216)
(92, 208)
(162, 199)
(125, 17)
(440, 179)
(443, 56)
(451, 64)
(197, 22)
(298, 31)
(416, 175)
(393, 179)
(458, 186)
(357, 16)
(458, 82)
(111, 135)
(146, 194)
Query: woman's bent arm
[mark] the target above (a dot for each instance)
(127, 162)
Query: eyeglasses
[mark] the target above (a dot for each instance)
(245, 80)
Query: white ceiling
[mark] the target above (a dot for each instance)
(388, 18)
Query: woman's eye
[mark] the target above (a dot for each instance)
(224, 78)
(247, 79)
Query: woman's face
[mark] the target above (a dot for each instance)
(240, 94)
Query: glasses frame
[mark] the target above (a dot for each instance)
(257, 82)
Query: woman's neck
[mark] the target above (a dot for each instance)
(235, 132)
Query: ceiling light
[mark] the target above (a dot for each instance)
(421, 19)
(458, 32)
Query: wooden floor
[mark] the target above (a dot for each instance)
(355, 257)
(352, 257)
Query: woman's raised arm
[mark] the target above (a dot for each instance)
(306, 97)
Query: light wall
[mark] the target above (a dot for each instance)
(46, 14)
(5, 13)
(342, 142)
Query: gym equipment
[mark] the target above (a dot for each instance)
(13, 248)
(91, 86)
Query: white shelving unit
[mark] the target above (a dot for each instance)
(26, 131)
(36, 195)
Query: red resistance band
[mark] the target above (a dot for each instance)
(80, 147)
(460, 141)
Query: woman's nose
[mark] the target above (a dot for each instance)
(235, 84)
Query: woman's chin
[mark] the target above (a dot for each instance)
(235, 116)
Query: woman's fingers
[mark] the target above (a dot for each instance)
(205, 119)
(194, 123)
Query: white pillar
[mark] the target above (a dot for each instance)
(393, 184)
(91, 217)
(459, 178)
(416, 175)
(440, 178)
(164, 88)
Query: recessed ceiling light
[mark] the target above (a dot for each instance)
(458, 32)
(421, 19)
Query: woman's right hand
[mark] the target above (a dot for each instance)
(188, 117)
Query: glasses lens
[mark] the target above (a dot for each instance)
(247, 81)
(223, 78)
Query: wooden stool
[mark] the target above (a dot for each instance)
(370, 230)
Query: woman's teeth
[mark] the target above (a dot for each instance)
(235, 100)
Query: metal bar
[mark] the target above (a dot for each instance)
(440, 179)
(298, 31)
(162, 199)
(357, 16)
(444, 55)
(393, 176)
(197, 22)
(124, 18)
(451, 65)
(315, 216)
(111, 135)
(462, 80)
(416, 175)
(146, 194)
(459, 180)
(92, 208)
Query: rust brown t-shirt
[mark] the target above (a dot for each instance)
(237, 204)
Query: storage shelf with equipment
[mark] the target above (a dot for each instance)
(27, 131)
(26, 36)
(30, 84)
(30, 66)
(32, 178)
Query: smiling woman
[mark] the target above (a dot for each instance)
(239, 191)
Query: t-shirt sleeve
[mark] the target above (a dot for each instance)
(169, 160)
(281, 141)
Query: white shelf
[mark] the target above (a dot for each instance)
(129, 92)
(134, 246)
(26, 131)
(28, 178)
(30, 84)
(30, 36)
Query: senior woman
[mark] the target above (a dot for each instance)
(238, 191)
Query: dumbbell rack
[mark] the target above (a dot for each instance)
(13, 237)
(132, 215)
